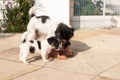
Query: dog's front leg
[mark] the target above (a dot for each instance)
(44, 56)
(24, 57)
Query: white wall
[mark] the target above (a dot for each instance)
(97, 21)
(55, 8)
(91, 22)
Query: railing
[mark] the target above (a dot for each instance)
(96, 7)
(94, 13)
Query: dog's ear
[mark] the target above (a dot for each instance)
(50, 40)
(72, 30)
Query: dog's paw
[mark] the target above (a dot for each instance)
(46, 60)
(26, 62)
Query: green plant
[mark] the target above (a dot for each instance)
(16, 18)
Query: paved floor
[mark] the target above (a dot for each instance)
(97, 57)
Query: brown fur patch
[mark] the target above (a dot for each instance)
(37, 34)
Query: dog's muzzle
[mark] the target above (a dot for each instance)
(59, 47)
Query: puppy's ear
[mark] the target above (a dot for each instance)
(50, 40)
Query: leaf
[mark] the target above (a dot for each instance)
(17, 18)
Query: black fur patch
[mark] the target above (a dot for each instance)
(53, 41)
(64, 32)
(24, 41)
(32, 15)
(66, 44)
(32, 49)
(31, 41)
(44, 18)
(39, 44)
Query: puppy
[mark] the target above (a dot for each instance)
(36, 46)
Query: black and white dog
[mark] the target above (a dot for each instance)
(36, 46)
(43, 24)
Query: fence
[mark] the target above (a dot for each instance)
(86, 13)
(94, 13)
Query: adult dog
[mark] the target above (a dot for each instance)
(36, 46)
(43, 24)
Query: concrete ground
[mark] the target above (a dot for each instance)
(97, 57)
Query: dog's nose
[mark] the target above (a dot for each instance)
(58, 48)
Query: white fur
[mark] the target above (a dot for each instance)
(47, 28)
(24, 50)
(38, 11)
(28, 35)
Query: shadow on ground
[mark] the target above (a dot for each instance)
(34, 58)
(13, 53)
(78, 46)
(6, 35)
